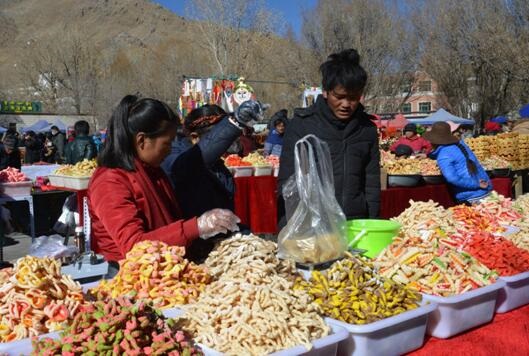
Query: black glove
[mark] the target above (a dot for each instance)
(250, 112)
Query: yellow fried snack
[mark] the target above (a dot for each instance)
(351, 291)
(85, 168)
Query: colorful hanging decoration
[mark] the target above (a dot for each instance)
(228, 94)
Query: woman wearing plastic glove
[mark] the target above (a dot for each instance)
(199, 177)
(130, 197)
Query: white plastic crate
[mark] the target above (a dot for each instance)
(263, 171)
(77, 183)
(22, 347)
(395, 335)
(462, 312)
(326, 346)
(16, 188)
(514, 294)
(56, 180)
(243, 171)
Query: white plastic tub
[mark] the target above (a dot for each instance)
(263, 171)
(56, 180)
(395, 335)
(16, 188)
(514, 294)
(77, 183)
(326, 346)
(22, 347)
(243, 171)
(462, 312)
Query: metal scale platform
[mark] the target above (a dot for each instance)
(82, 268)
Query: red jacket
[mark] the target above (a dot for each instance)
(128, 207)
(417, 144)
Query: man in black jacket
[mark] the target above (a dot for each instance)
(339, 119)
(9, 154)
(83, 147)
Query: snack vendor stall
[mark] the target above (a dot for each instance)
(331, 311)
(452, 274)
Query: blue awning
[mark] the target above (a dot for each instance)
(499, 120)
(36, 127)
(524, 111)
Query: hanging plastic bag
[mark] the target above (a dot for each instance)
(315, 229)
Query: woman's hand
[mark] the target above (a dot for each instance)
(250, 112)
(483, 184)
(217, 221)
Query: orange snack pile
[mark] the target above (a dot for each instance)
(35, 298)
(495, 252)
(235, 161)
(156, 271)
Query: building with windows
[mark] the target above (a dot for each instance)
(418, 99)
(423, 97)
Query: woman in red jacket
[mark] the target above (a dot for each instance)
(130, 197)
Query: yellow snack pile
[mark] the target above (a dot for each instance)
(352, 291)
(85, 168)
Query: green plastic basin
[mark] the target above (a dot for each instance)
(371, 234)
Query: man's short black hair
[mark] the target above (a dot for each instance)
(81, 128)
(343, 69)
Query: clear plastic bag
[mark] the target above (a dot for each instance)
(51, 246)
(315, 231)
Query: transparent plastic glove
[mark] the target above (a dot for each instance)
(250, 112)
(217, 221)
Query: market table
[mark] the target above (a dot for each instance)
(255, 200)
(395, 200)
(256, 203)
(507, 334)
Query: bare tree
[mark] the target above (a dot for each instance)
(476, 51)
(231, 30)
(54, 70)
(386, 45)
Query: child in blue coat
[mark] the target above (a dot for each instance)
(458, 164)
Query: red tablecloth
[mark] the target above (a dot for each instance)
(255, 200)
(256, 203)
(507, 334)
(395, 200)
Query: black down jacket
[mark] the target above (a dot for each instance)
(354, 151)
(79, 149)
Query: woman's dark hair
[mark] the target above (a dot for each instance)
(81, 127)
(131, 116)
(343, 69)
(471, 166)
(201, 119)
